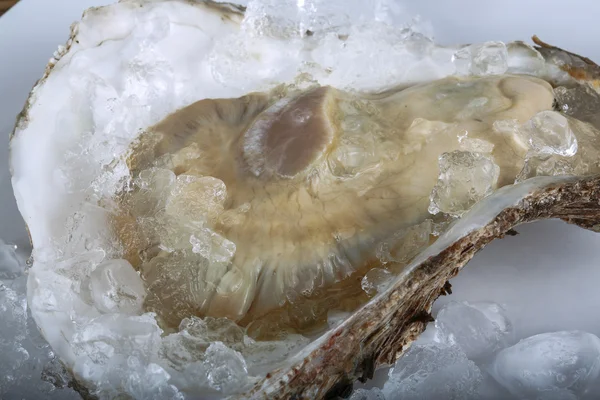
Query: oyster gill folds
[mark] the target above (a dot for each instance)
(208, 187)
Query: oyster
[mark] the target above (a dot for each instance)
(222, 169)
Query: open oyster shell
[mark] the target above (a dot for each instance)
(69, 175)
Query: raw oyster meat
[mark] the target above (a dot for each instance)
(207, 187)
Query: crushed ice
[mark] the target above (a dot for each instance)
(469, 352)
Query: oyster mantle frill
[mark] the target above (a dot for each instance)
(247, 177)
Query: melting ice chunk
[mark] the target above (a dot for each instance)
(524, 59)
(464, 179)
(197, 199)
(433, 372)
(364, 394)
(402, 246)
(221, 369)
(225, 367)
(153, 183)
(567, 361)
(478, 329)
(351, 157)
(548, 133)
(489, 58)
(10, 265)
(212, 246)
(474, 145)
(117, 288)
(376, 280)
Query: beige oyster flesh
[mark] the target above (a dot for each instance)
(275, 196)
(217, 208)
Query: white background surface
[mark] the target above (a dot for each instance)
(547, 277)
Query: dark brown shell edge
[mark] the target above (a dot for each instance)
(380, 332)
(578, 67)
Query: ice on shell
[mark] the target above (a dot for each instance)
(548, 133)
(376, 280)
(465, 178)
(490, 58)
(117, 288)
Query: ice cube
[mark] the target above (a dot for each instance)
(153, 183)
(479, 329)
(117, 288)
(11, 264)
(405, 244)
(221, 370)
(548, 133)
(367, 394)
(112, 334)
(489, 58)
(226, 368)
(464, 179)
(149, 382)
(524, 59)
(433, 371)
(13, 314)
(567, 361)
(196, 199)
(212, 246)
(376, 281)
(474, 145)
(352, 156)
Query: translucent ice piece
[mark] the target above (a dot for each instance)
(153, 184)
(489, 58)
(548, 133)
(11, 265)
(222, 370)
(479, 329)
(197, 199)
(433, 372)
(117, 288)
(112, 334)
(556, 361)
(13, 313)
(405, 244)
(351, 157)
(376, 280)
(524, 59)
(149, 382)
(464, 179)
(367, 394)
(212, 246)
(474, 145)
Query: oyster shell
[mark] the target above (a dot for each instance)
(376, 333)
